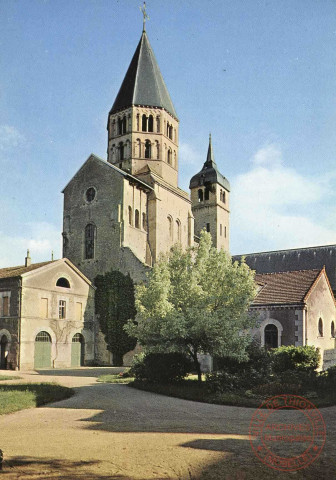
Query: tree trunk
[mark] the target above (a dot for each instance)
(117, 359)
(197, 365)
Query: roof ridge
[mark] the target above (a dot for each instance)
(285, 250)
(290, 271)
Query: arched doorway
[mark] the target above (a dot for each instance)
(271, 336)
(3, 352)
(77, 350)
(42, 356)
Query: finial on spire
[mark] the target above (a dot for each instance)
(145, 16)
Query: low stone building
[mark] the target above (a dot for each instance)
(296, 308)
(46, 316)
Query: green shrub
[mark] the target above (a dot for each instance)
(160, 367)
(221, 382)
(295, 358)
(258, 359)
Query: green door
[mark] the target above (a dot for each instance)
(42, 358)
(77, 350)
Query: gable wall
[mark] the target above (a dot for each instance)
(320, 304)
(105, 212)
(41, 285)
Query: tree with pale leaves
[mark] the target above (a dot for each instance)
(195, 301)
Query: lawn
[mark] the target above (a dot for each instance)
(190, 389)
(114, 379)
(8, 377)
(18, 397)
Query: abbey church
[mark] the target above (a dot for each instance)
(124, 212)
(121, 214)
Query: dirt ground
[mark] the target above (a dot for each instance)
(111, 431)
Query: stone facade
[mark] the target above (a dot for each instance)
(123, 213)
(311, 321)
(51, 307)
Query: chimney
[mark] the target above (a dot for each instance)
(27, 260)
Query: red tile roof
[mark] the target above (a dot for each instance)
(284, 287)
(10, 272)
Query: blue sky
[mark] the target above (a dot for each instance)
(260, 75)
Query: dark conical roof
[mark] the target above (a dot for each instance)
(209, 173)
(143, 83)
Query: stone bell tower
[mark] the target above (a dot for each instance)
(210, 195)
(142, 123)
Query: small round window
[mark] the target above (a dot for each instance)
(90, 194)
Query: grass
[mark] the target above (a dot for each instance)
(114, 379)
(8, 377)
(19, 397)
(190, 389)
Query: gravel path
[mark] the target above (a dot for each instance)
(111, 431)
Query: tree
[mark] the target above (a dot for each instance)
(195, 301)
(115, 304)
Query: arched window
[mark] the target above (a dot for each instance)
(144, 123)
(157, 149)
(121, 151)
(148, 149)
(63, 282)
(113, 132)
(171, 132)
(224, 196)
(43, 337)
(169, 156)
(158, 126)
(221, 195)
(150, 123)
(200, 195)
(178, 231)
(90, 231)
(332, 329)
(124, 124)
(144, 221)
(271, 336)
(136, 219)
(130, 216)
(207, 193)
(138, 122)
(119, 126)
(170, 227)
(320, 327)
(139, 147)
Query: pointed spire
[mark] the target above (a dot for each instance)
(209, 173)
(210, 161)
(143, 84)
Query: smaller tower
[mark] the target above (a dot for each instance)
(210, 193)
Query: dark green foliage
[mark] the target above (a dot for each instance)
(222, 381)
(114, 301)
(258, 359)
(295, 358)
(161, 367)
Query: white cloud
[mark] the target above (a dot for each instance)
(189, 156)
(269, 154)
(273, 206)
(41, 238)
(9, 137)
